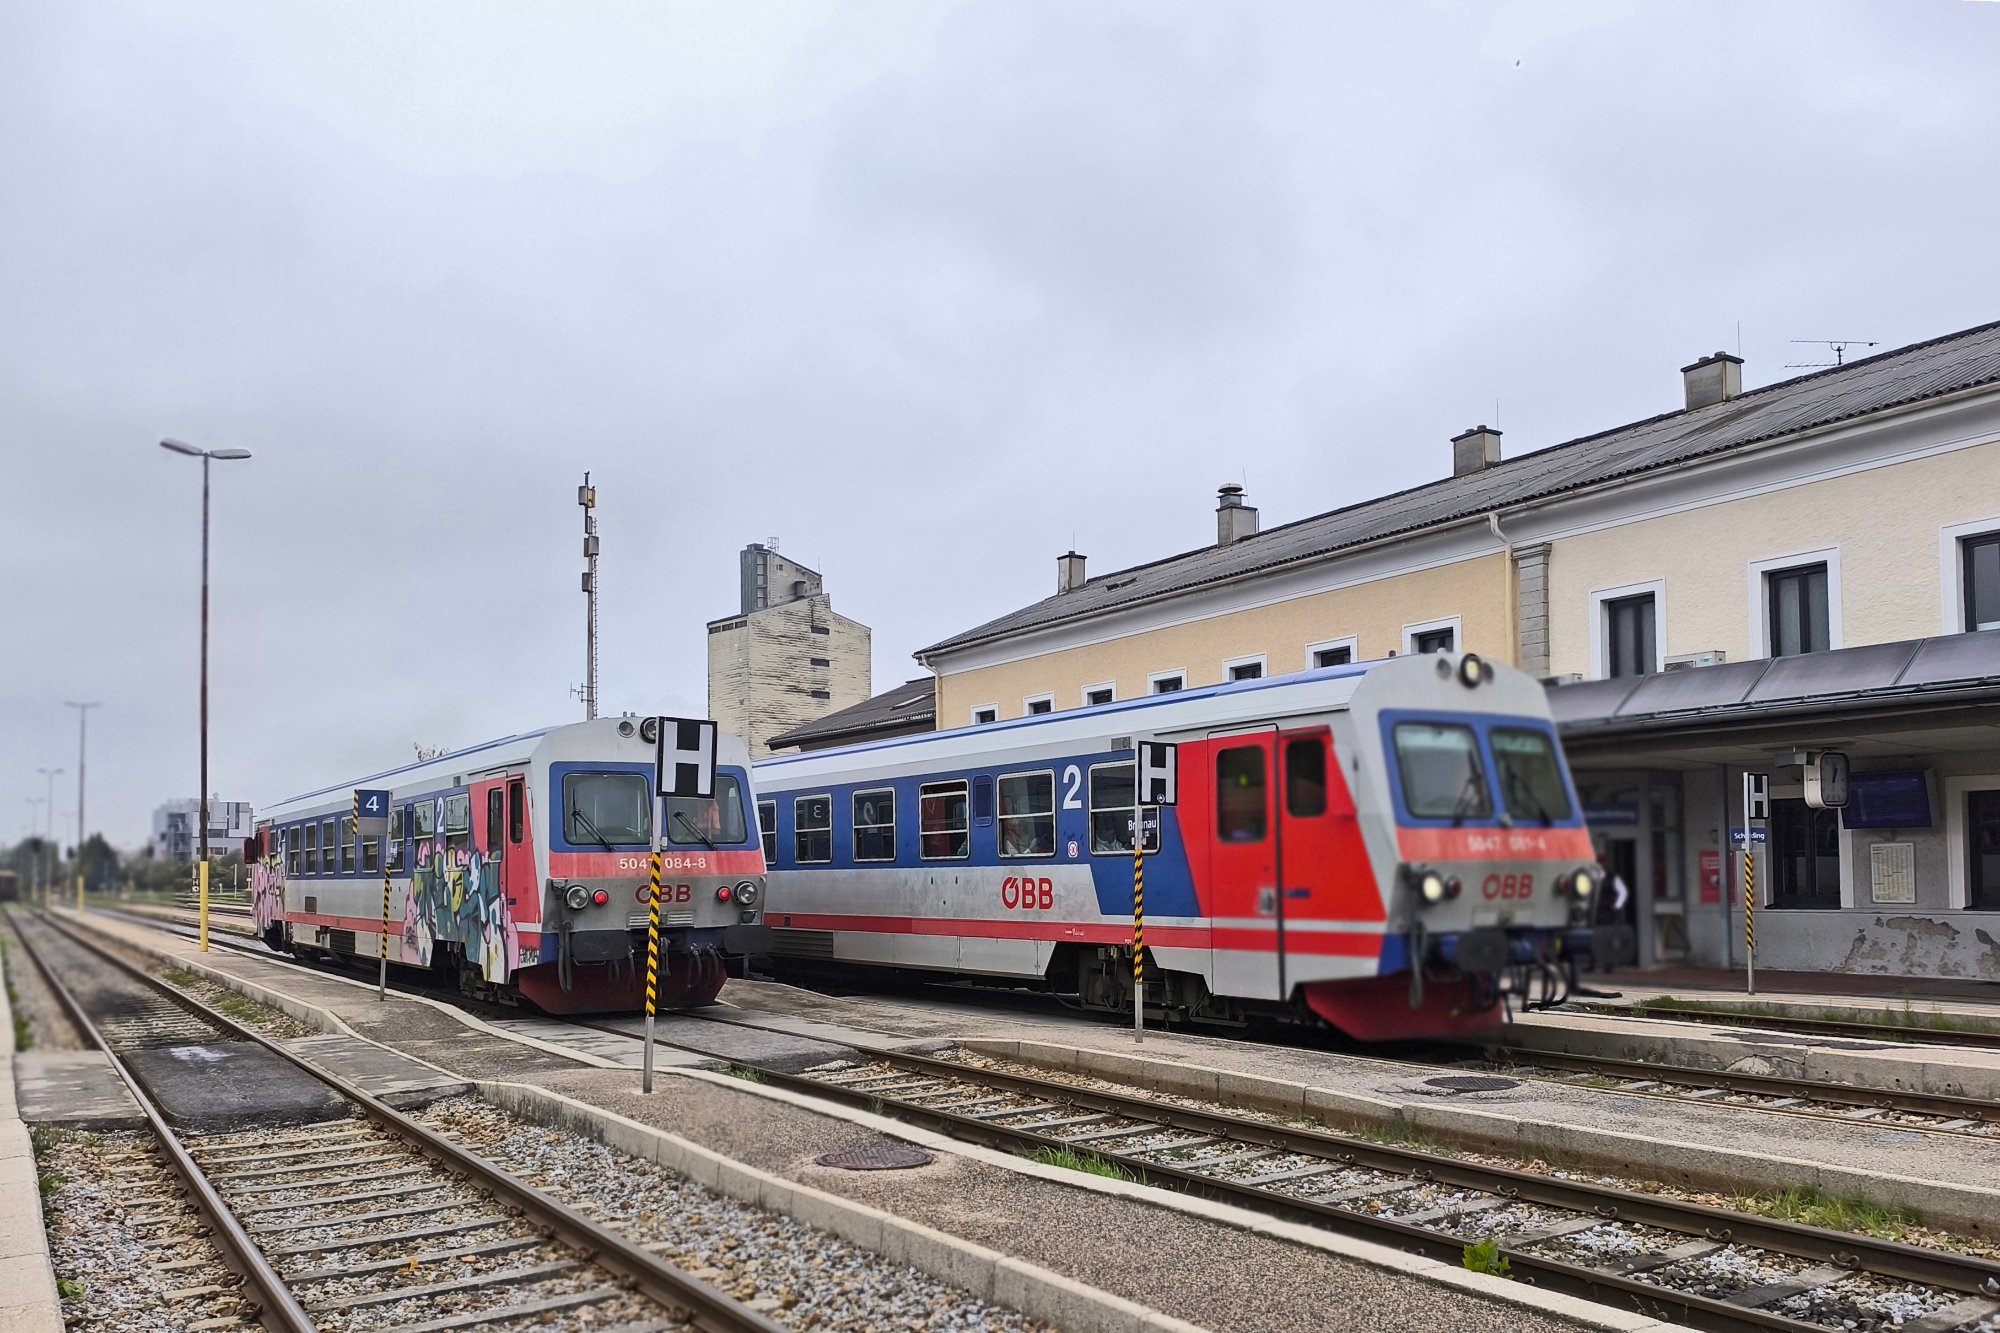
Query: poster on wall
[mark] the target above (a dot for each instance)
(1711, 878)
(1892, 872)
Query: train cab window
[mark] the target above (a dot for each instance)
(812, 830)
(941, 829)
(1028, 814)
(606, 808)
(1239, 794)
(1305, 778)
(293, 858)
(327, 849)
(767, 829)
(875, 825)
(458, 824)
(496, 817)
(1111, 812)
(517, 810)
(1442, 775)
(694, 822)
(1530, 775)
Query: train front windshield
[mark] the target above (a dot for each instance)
(617, 808)
(1446, 772)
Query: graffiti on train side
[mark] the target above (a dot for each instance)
(267, 892)
(455, 895)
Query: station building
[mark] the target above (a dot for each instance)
(786, 657)
(1735, 584)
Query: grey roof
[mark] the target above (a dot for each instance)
(1954, 667)
(1908, 375)
(912, 704)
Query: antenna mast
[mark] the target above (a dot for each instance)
(586, 495)
(1839, 347)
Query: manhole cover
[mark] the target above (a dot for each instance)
(876, 1157)
(1472, 1083)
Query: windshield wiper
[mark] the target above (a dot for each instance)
(578, 817)
(1518, 786)
(1468, 796)
(688, 824)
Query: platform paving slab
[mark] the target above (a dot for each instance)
(382, 1073)
(28, 1301)
(78, 1089)
(219, 1086)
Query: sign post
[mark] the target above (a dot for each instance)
(684, 768)
(1756, 810)
(1155, 782)
(371, 820)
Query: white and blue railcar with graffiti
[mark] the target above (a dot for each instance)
(1387, 846)
(521, 869)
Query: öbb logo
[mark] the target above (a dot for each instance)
(1026, 893)
(1508, 886)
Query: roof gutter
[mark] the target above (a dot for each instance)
(1750, 715)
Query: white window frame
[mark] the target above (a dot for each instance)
(1352, 643)
(1951, 571)
(1958, 875)
(1410, 633)
(977, 709)
(1054, 816)
(1154, 678)
(1027, 711)
(1600, 643)
(797, 801)
(1083, 695)
(854, 825)
(940, 788)
(1258, 660)
(1760, 602)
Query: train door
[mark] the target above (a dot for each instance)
(1333, 906)
(1245, 864)
(517, 860)
(484, 880)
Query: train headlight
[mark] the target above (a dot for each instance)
(1582, 882)
(578, 897)
(649, 730)
(746, 892)
(1471, 670)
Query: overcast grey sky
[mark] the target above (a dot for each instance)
(924, 291)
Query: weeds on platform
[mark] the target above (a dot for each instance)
(1088, 1162)
(747, 1074)
(1803, 1203)
(24, 1036)
(1483, 1256)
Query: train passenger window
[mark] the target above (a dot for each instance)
(399, 828)
(1239, 794)
(346, 844)
(293, 860)
(812, 830)
(941, 830)
(767, 829)
(1305, 778)
(1028, 814)
(1442, 776)
(1111, 811)
(458, 823)
(607, 808)
(694, 822)
(517, 810)
(327, 851)
(371, 856)
(426, 821)
(875, 825)
(496, 815)
(1531, 778)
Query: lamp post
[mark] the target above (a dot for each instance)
(35, 804)
(49, 834)
(82, 717)
(201, 801)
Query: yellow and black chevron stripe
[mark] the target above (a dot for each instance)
(653, 939)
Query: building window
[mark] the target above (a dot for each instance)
(1244, 668)
(1796, 602)
(1805, 855)
(875, 825)
(1432, 641)
(1028, 814)
(819, 661)
(1631, 636)
(767, 829)
(985, 714)
(1093, 695)
(1041, 703)
(820, 694)
(1239, 794)
(941, 834)
(1981, 578)
(1111, 811)
(1982, 853)
(1340, 652)
(812, 830)
(1166, 682)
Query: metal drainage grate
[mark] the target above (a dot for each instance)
(1472, 1083)
(876, 1157)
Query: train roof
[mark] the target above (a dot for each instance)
(426, 772)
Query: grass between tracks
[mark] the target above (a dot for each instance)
(1089, 1162)
(1803, 1203)
(1907, 1017)
(23, 1036)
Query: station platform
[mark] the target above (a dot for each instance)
(28, 1301)
(1911, 1001)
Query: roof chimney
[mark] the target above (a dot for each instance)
(1069, 572)
(1474, 451)
(1234, 520)
(1713, 379)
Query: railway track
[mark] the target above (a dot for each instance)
(1706, 1266)
(371, 1221)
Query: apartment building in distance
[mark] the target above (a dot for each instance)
(785, 658)
(1733, 585)
(177, 828)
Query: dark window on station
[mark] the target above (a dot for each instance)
(875, 825)
(1341, 655)
(812, 830)
(1103, 694)
(1036, 707)
(1982, 855)
(1305, 778)
(1441, 640)
(1169, 684)
(1982, 581)
(1804, 855)
(1239, 794)
(1247, 671)
(1631, 643)
(1797, 604)
(767, 829)
(941, 827)
(819, 661)
(820, 694)
(982, 716)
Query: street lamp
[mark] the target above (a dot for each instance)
(226, 455)
(82, 714)
(51, 774)
(35, 804)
